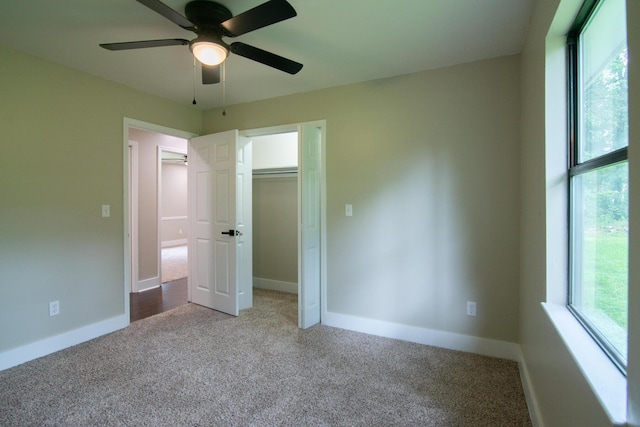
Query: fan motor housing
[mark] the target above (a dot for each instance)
(206, 14)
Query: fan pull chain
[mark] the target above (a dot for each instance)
(224, 86)
(194, 81)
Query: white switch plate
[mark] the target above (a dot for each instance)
(106, 211)
(348, 210)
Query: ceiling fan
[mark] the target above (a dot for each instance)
(211, 21)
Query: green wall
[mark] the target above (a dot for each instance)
(429, 162)
(62, 158)
(275, 228)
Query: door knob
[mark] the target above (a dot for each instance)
(233, 233)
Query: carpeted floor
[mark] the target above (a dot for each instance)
(174, 263)
(196, 367)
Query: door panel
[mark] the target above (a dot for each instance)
(202, 261)
(200, 252)
(222, 285)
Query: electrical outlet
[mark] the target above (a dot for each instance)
(54, 308)
(471, 308)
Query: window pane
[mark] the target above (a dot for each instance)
(604, 123)
(600, 223)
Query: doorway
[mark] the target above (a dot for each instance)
(173, 222)
(311, 216)
(318, 271)
(156, 220)
(275, 212)
(143, 239)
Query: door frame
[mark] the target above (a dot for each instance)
(126, 188)
(132, 198)
(296, 127)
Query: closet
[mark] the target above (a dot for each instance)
(275, 212)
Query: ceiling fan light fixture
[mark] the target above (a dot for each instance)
(208, 52)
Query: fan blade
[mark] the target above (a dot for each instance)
(210, 74)
(144, 44)
(260, 16)
(164, 10)
(266, 58)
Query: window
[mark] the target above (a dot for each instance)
(598, 174)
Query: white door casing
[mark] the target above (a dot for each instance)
(309, 238)
(213, 246)
(133, 215)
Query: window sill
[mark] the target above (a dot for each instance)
(606, 381)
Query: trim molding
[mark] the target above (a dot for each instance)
(529, 395)
(170, 243)
(275, 285)
(450, 340)
(146, 284)
(175, 218)
(55, 343)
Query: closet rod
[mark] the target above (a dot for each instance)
(275, 171)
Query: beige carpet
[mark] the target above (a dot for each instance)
(174, 263)
(196, 367)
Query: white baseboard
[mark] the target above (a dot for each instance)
(529, 395)
(50, 345)
(275, 285)
(450, 340)
(146, 284)
(171, 243)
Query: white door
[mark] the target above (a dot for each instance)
(244, 215)
(217, 246)
(309, 226)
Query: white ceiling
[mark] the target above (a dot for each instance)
(338, 41)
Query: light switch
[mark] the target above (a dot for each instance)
(106, 211)
(348, 210)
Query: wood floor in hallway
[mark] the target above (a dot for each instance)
(154, 301)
